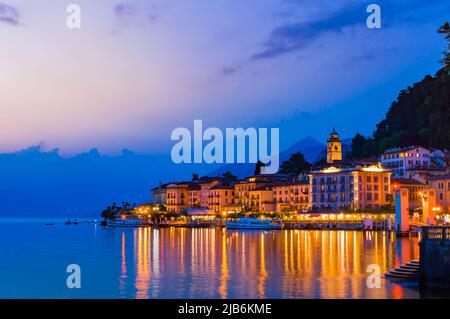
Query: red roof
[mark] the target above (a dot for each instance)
(405, 181)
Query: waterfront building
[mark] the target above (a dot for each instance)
(350, 187)
(206, 183)
(193, 192)
(415, 189)
(159, 194)
(441, 185)
(242, 188)
(424, 173)
(291, 197)
(182, 195)
(334, 148)
(220, 197)
(399, 160)
(201, 214)
(261, 199)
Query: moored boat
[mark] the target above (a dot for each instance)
(254, 223)
(127, 222)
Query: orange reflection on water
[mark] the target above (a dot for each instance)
(262, 273)
(223, 288)
(142, 263)
(123, 275)
(216, 263)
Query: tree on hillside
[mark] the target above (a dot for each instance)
(295, 165)
(419, 116)
(195, 177)
(445, 29)
(258, 167)
(229, 177)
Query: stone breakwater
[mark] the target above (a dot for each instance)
(435, 254)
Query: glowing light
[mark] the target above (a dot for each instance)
(331, 169)
(373, 168)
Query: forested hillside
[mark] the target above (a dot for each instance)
(419, 116)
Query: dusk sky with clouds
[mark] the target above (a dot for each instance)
(138, 69)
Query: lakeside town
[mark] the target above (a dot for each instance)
(336, 194)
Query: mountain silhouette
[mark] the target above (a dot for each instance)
(37, 183)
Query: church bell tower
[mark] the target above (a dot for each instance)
(334, 148)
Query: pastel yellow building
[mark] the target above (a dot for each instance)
(243, 188)
(261, 199)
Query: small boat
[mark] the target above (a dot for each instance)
(254, 223)
(127, 222)
(49, 224)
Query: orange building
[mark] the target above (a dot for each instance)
(261, 199)
(182, 195)
(291, 197)
(243, 188)
(206, 183)
(220, 196)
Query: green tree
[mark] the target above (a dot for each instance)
(358, 145)
(445, 29)
(419, 116)
(258, 167)
(111, 211)
(295, 165)
(229, 177)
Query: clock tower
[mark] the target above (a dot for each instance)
(334, 148)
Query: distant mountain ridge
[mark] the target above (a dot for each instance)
(37, 183)
(312, 149)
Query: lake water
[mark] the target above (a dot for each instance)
(196, 263)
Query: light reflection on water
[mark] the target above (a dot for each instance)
(215, 263)
(198, 263)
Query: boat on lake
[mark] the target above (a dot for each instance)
(254, 223)
(127, 222)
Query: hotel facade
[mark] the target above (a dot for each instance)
(350, 188)
(399, 160)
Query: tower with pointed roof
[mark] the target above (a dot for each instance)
(334, 148)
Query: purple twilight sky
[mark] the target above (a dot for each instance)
(138, 69)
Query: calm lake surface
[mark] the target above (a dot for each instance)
(196, 263)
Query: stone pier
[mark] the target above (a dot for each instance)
(435, 254)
